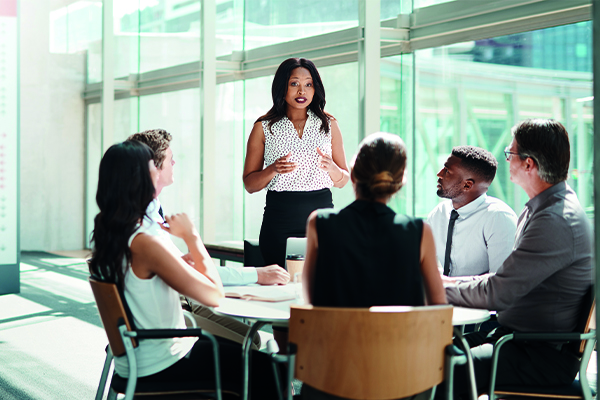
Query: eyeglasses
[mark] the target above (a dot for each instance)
(508, 154)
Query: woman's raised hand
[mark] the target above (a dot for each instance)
(180, 225)
(325, 162)
(283, 165)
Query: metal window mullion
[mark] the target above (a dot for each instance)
(108, 84)
(596, 70)
(369, 60)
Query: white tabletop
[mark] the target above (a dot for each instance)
(279, 312)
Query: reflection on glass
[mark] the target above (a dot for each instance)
(276, 21)
(473, 93)
(565, 48)
(396, 118)
(427, 3)
(178, 113)
(154, 34)
(76, 27)
(391, 8)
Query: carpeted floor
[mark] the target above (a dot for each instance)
(51, 339)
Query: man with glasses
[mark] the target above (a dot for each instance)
(473, 232)
(540, 286)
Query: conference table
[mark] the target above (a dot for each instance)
(277, 313)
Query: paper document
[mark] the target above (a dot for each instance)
(263, 293)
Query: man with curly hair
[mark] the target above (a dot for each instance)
(159, 141)
(473, 232)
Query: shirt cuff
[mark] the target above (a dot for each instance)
(231, 276)
(249, 275)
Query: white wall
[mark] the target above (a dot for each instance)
(52, 137)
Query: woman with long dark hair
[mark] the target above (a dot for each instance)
(128, 251)
(296, 152)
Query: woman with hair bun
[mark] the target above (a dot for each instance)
(296, 152)
(365, 254)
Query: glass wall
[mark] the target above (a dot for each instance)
(76, 26)
(275, 21)
(473, 93)
(434, 98)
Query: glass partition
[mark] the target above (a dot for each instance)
(178, 113)
(76, 26)
(473, 93)
(275, 21)
(436, 98)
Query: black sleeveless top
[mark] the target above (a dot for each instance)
(368, 256)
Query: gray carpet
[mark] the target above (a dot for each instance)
(51, 339)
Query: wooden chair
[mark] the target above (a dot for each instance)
(582, 342)
(376, 353)
(122, 339)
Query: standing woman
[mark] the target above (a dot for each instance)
(295, 151)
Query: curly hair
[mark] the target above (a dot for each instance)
(478, 161)
(158, 140)
(280, 87)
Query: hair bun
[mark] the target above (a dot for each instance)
(382, 177)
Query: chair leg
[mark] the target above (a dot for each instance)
(497, 347)
(246, 354)
(585, 359)
(453, 357)
(112, 395)
(432, 395)
(470, 368)
(131, 361)
(104, 376)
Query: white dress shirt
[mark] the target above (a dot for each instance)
(483, 235)
(229, 276)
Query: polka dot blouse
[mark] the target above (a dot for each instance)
(283, 139)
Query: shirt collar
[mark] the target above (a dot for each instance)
(535, 203)
(470, 208)
(152, 210)
(310, 119)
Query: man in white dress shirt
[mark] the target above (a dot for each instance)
(483, 233)
(159, 141)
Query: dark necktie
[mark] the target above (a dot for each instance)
(161, 213)
(453, 217)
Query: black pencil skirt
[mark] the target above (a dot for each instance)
(285, 216)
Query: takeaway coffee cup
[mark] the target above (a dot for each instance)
(294, 263)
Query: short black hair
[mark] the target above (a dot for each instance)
(478, 161)
(546, 141)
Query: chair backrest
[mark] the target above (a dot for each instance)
(295, 245)
(377, 353)
(112, 310)
(587, 318)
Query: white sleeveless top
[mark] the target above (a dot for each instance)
(283, 139)
(154, 305)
